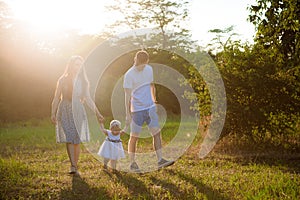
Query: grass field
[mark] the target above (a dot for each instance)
(33, 166)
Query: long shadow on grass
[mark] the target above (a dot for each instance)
(174, 191)
(264, 153)
(81, 190)
(290, 163)
(209, 192)
(136, 187)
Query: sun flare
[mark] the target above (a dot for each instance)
(52, 15)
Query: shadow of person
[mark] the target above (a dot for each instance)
(135, 186)
(173, 189)
(81, 190)
(79, 186)
(206, 190)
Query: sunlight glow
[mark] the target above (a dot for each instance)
(45, 17)
(86, 16)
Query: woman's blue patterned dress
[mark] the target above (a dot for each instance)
(72, 124)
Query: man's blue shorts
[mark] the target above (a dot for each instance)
(140, 117)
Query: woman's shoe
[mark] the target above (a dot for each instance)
(73, 170)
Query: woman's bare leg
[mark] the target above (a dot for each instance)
(71, 154)
(76, 154)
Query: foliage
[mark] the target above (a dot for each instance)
(263, 98)
(278, 41)
(278, 27)
(262, 80)
(219, 43)
(263, 101)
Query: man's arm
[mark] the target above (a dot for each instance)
(153, 93)
(127, 104)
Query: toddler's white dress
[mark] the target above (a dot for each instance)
(112, 147)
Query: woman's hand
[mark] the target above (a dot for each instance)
(53, 119)
(100, 118)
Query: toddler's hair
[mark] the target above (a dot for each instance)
(115, 123)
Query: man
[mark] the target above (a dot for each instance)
(140, 107)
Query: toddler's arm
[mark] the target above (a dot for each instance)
(103, 129)
(124, 130)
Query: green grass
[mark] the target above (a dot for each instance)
(33, 166)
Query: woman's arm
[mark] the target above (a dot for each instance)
(102, 129)
(91, 104)
(56, 100)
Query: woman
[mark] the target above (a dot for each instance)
(68, 113)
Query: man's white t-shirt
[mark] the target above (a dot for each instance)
(140, 84)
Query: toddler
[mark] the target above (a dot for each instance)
(112, 148)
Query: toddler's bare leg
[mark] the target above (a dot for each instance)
(113, 164)
(105, 163)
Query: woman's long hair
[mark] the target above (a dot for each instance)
(70, 76)
(70, 65)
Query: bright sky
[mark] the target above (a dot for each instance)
(221, 14)
(89, 16)
(50, 15)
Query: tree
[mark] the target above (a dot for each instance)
(222, 39)
(278, 26)
(163, 15)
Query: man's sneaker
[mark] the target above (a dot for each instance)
(134, 167)
(164, 163)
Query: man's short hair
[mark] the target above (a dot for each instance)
(141, 57)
